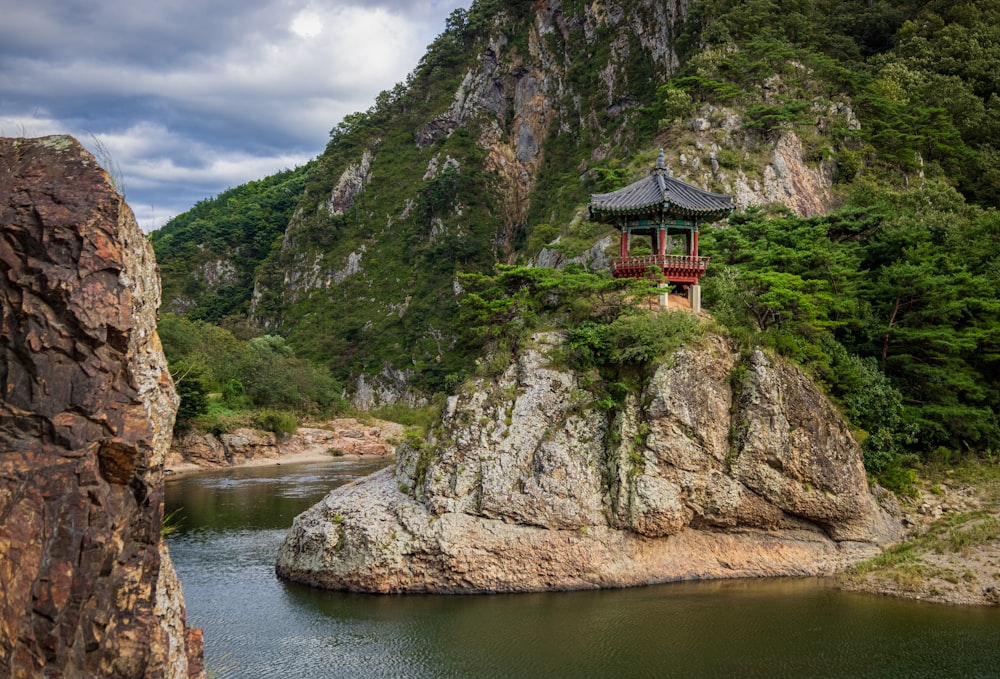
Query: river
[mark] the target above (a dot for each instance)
(229, 524)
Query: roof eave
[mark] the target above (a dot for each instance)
(611, 212)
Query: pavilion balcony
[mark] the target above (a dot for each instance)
(675, 268)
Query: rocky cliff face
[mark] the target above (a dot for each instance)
(86, 414)
(528, 486)
(447, 181)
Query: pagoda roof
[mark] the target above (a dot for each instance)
(659, 194)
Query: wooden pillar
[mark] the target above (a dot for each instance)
(623, 249)
(661, 244)
(694, 242)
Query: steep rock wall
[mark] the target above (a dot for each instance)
(528, 486)
(490, 116)
(86, 413)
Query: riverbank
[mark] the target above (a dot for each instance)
(341, 438)
(951, 553)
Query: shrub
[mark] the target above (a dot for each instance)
(234, 394)
(190, 385)
(631, 339)
(674, 104)
(899, 477)
(277, 421)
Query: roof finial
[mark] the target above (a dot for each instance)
(659, 159)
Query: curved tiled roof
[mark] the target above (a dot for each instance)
(659, 192)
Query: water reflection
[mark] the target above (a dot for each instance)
(254, 498)
(258, 626)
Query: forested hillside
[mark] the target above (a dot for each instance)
(208, 256)
(861, 140)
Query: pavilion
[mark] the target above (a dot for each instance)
(667, 210)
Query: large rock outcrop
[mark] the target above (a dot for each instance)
(528, 486)
(86, 414)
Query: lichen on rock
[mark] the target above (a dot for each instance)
(527, 485)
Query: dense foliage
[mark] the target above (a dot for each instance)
(614, 325)
(921, 74)
(225, 382)
(893, 302)
(209, 254)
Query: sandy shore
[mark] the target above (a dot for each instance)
(340, 439)
(188, 468)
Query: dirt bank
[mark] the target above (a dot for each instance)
(952, 551)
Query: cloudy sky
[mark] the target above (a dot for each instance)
(190, 97)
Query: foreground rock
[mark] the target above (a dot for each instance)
(86, 412)
(528, 486)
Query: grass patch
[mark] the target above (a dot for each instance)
(897, 556)
(954, 534)
(979, 533)
(983, 473)
(221, 419)
(417, 421)
(171, 522)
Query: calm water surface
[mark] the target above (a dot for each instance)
(232, 523)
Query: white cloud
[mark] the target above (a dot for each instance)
(307, 24)
(190, 97)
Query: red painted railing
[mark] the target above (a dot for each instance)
(676, 268)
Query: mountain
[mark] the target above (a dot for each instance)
(209, 254)
(867, 129)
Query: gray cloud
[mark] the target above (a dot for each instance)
(192, 97)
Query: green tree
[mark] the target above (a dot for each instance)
(190, 385)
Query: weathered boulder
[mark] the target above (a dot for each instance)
(203, 449)
(527, 485)
(86, 413)
(244, 444)
(232, 448)
(347, 436)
